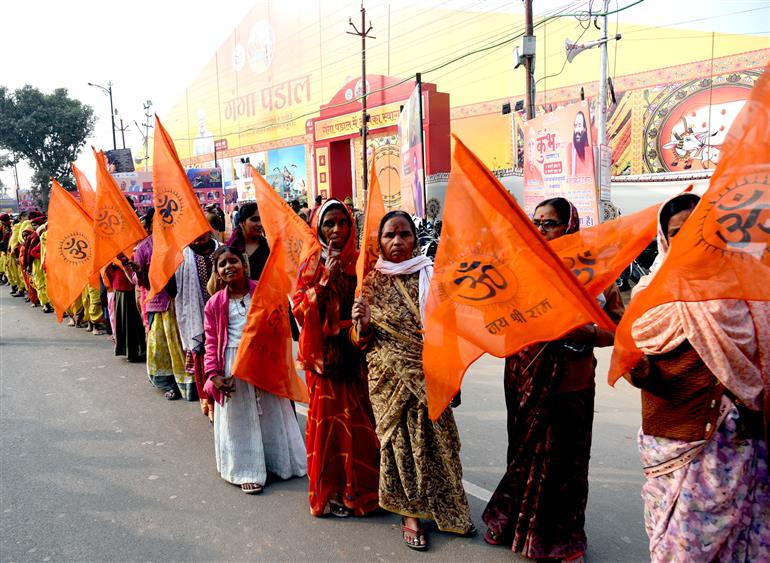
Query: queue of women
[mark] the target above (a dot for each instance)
(377, 439)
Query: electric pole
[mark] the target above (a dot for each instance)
(529, 59)
(147, 115)
(122, 129)
(363, 33)
(602, 117)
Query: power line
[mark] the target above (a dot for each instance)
(471, 53)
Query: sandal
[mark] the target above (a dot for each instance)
(494, 539)
(418, 540)
(339, 510)
(252, 488)
(172, 395)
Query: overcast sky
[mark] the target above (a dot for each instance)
(152, 49)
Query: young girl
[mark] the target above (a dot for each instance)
(254, 431)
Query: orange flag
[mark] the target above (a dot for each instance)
(597, 255)
(264, 355)
(370, 246)
(86, 191)
(178, 218)
(281, 222)
(70, 252)
(722, 250)
(116, 226)
(497, 286)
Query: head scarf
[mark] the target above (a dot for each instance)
(731, 336)
(313, 274)
(348, 254)
(573, 224)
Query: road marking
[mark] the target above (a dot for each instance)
(471, 488)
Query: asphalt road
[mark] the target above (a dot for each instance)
(96, 466)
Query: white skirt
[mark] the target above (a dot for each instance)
(256, 432)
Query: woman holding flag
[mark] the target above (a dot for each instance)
(343, 450)
(539, 506)
(703, 438)
(420, 469)
(165, 355)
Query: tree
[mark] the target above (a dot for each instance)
(46, 130)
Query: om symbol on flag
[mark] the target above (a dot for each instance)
(107, 222)
(74, 248)
(483, 280)
(167, 207)
(585, 259)
(739, 220)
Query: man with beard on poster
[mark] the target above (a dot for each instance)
(580, 158)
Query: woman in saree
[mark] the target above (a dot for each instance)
(343, 452)
(420, 469)
(539, 506)
(165, 355)
(704, 381)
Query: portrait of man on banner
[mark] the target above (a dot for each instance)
(559, 160)
(580, 156)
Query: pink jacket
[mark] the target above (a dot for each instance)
(216, 315)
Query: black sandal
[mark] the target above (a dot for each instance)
(339, 510)
(172, 395)
(416, 541)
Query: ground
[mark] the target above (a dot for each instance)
(96, 466)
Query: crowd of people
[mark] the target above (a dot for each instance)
(369, 443)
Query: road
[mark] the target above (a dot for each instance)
(97, 466)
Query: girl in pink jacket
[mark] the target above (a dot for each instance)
(254, 431)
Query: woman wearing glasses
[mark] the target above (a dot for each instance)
(539, 505)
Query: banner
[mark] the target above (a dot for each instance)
(559, 161)
(412, 163)
(721, 251)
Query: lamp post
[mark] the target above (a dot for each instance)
(108, 91)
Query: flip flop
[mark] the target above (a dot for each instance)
(252, 488)
(414, 541)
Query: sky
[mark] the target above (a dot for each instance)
(151, 50)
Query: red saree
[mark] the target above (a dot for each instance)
(343, 452)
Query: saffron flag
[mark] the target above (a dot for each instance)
(69, 254)
(87, 204)
(281, 222)
(264, 354)
(85, 190)
(178, 218)
(370, 246)
(116, 226)
(722, 250)
(497, 286)
(597, 255)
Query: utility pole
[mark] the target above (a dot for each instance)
(364, 116)
(529, 59)
(602, 117)
(108, 91)
(123, 130)
(147, 115)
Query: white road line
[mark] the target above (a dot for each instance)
(475, 491)
(472, 489)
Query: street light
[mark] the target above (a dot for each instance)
(108, 91)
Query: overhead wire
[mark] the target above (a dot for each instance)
(411, 77)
